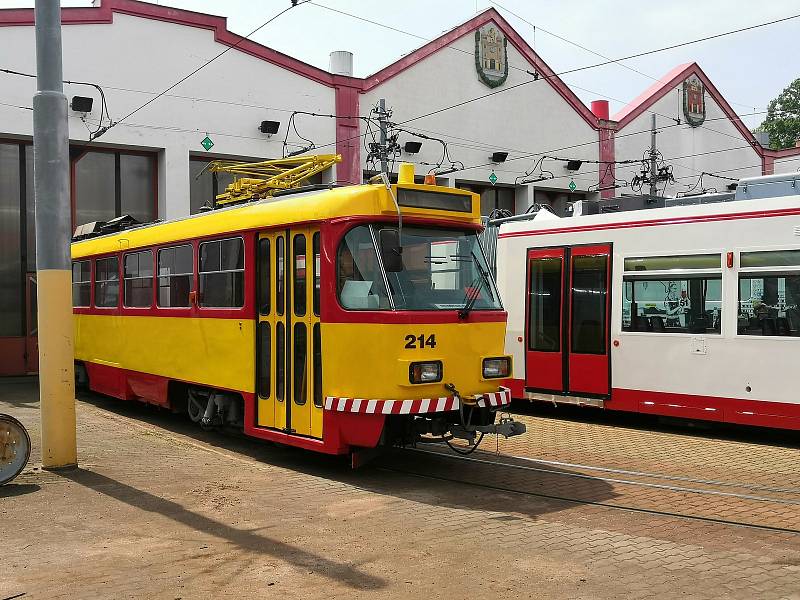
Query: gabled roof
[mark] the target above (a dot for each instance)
(104, 13)
(487, 16)
(668, 83)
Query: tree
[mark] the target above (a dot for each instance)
(783, 118)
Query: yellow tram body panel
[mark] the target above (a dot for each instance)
(188, 349)
(369, 360)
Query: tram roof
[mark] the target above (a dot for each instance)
(677, 214)
(302, 207)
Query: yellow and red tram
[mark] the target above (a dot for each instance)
(333, 319)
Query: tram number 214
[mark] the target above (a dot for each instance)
(421, 341)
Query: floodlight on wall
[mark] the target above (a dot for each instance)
(81, 104)
(499, 157)
(574, 165)
(269, 127)
(412, 147)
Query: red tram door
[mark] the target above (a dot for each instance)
(567, 320)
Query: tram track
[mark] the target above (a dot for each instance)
(615, 480)
(611, 481)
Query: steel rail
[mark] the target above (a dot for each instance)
(619, 507)
(661, 486)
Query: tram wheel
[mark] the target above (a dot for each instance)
(195, 408)
(15, 448)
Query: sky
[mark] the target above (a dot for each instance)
(748, 68)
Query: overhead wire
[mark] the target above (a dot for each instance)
(590, 51)
(293, 4)
(600, 64)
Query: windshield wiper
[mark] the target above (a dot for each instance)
(474, 290)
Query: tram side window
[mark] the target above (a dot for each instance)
(175, 274)
(316, 265)
(359, 281)
(138, 279)
(317, 366)
(299, 274)
(769, 302)
(222, 273)
(685, 304)
(106, 282)
(589, 275)
(81, 283)
(263, 276)
(544, 325)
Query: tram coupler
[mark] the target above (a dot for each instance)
(507, 427)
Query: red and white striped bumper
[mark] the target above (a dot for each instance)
(413, 407)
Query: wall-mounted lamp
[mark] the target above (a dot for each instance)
(412, 147)
(269, 127)
(499, 157)
(574, 165)
(81, 104)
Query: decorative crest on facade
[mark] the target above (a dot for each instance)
(694, 101)
(491, 55)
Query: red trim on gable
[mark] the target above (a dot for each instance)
(467, 28)
(348, 139)
(105, 14)
(767, 165)
(785, 152)
(637, 106)
(666, 84)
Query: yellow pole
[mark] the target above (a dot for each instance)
(53, 225)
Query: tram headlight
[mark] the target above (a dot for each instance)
(425, 372)
(496, 368)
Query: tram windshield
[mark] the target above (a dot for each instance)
(442, 269)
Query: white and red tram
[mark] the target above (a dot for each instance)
(687, 311)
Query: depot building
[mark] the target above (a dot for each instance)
(534, 143)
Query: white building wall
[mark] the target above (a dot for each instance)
(789, 164)
(134, 58)
(533, 118)
(714, 147)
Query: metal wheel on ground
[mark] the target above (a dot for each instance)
(15, 448)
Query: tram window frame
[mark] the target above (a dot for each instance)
(84, 286)
(538, 339)
(264, 354)
(280, 275)
(379, 283)
(316, 264)
(300, 363)
(588, 336)
(658, 323)
(132, 276)
(317, 364)
(263, 257)
(300, 293)
(234, 285)
(770, 315)
(171, 277)
(110, 285)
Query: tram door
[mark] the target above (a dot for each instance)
(288, 337)
(568, 314)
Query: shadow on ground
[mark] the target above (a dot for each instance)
(10, 490)
(243, 539)
(425, 478)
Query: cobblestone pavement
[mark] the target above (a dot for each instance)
(726, 475)
(160, 509)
